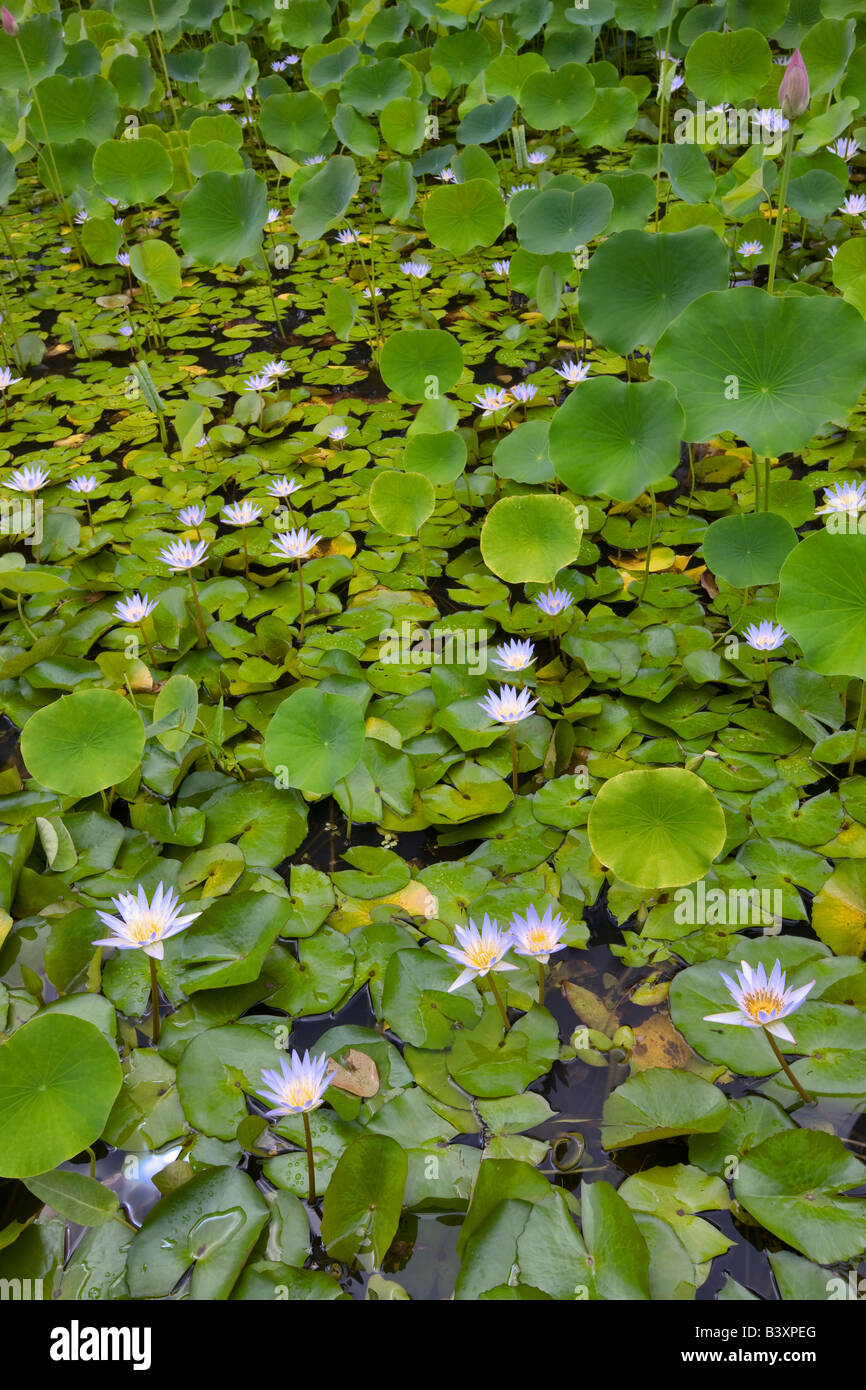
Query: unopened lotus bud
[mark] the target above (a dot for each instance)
(10, 24)
(794, 88)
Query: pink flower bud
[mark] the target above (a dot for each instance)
(794, 88)
(10, 24)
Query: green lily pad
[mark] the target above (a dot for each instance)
(657, 828)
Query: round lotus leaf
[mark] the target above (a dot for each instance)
(421, 363)
(314, 740)
(83, 743)
(59, 1077)
(132, 171)
(561, 219)
(222, 218)
(822, 602)
(458, 217)
(402, 502)
(750, 549)
(440, 457)
(528, 540)
(636, 283)
(524, 454)
(730, 65)
(770, 369)
(615, 438)
(656, 828)
(549, 100)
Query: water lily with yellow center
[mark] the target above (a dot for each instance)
(296, 1089)
(843, 497)
(764, 1002)
(509, 706)
(145, 926)
(515, 656)
(481, 952)
(538, 938)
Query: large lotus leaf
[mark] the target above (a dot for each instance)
(793, 1183)
(527, 540)
(84, 742)
(822, 602)
(35, 52)
(293, 121)
(561, 220)
(421, 363)
(314, 739)
(132, 172)
(223, 71)
(750, 549)
(524, 453)
(325, 197)
(772, 370)
(656, 828)
(59, 1076)
(549, 100)
(615, 438)
(156, 264)
(636, 283)
(75, 108)
(222, 218)
(462, 216)
(728, 66)
(402, 502)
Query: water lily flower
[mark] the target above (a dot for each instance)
(200, 443)
(480, 952)
(844, 497)
(192, 516)
(224, 106)
(144, 925)
(135, 608)
(518, 188)
(537, 156)
(845, 147)
(295, 545)
(766, 637)
(368, 294)
(572, 372)
(125, 330)
(446, 176)
(536, 936)
(81, 217)
(502, 267)
(771, 119)
(761, 1002)
(854, 204)
(676, 81)
(794, 87)
(346, 237)
(7, 379)
(282, 487)
(259, 382)
(241, 513)
(554, 601)
(292, 58)
(314, 159)
(183, 555)
(83, 484)
(299, 1086)
(122, 258)
(274, 215)
(276, 368)
(415, 269)
(337, 432)
(664, 57)
(750, 248)
(490, 400)
(832, 252)
(27, 479)
(523, 391)
(509, 706)
(515, 656)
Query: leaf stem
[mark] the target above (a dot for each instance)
(858, 730)
(786, 1069)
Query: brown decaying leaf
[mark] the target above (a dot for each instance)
(359, 1077)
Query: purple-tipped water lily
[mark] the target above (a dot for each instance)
(27, 479)
(766, 637)
(515, 655)
(183, 555)
(554, 601)
(761, 1002)
(135, 608)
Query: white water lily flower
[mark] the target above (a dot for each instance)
(299, 1086)
(515, 656)
(144, 925)
(761, 1002)
(241, 513)
(183, 555)
(573, 373)
(536, 936)
(191, 516)
(282, 487)
(296, 545)
(27, 479)
(7, 379)
(844, 497)
(135, 608)
(508, 707)
(766, 637)
(554, 601)
(481, 950)
(83, 484)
